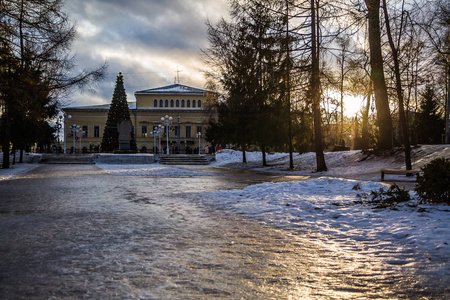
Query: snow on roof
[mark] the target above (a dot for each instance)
(172, 89)
(131, 105)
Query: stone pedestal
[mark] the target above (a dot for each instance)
(124, 127)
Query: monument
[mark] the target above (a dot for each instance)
(124, 128)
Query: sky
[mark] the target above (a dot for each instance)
(146, 40)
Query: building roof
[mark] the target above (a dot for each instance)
(172, 89)
(131, 105)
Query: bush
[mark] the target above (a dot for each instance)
(385, 198)
(433, 185)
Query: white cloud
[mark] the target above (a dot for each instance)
(147, 40)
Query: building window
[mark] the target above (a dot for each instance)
(171, 103)
(144, 132)
(155, 103)
(199, 103)
(177, 104)
(85, 131)
(182, 102)
(188, 132)
(193, 103)
(166, 103)
(160, 103)
(188, 103)
(96, 131)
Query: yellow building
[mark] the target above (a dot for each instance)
(190, 110)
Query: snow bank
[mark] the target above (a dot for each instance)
(228, 156)
(16, 170)
(330, 207)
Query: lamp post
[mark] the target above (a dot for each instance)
(199, 137)
(167, 121)
(154, 140)
(74, 133)
(156, 134)
(160, 128)
(65, 136)
(79, 129)
(58, 139)
(179, 135)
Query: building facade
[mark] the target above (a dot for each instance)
(189, 109)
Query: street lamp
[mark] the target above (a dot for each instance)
(179, 135)
(58, 139)
(65, 137)
(80, 130)
(167, 121)
(74, 133)
(199, 137)
(154, 140)
(156, 134)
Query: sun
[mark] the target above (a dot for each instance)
(353, 105)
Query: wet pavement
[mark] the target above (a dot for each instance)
(75, 232)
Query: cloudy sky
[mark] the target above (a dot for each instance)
(146, 40)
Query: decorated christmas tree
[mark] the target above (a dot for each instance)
(118, 111)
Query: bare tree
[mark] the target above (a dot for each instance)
(36, 64)
(315, 86)
(377, 76)
(398, 81)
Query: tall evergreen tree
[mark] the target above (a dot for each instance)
(429, 122)
(118, 111)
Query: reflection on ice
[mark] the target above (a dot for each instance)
(96, 236)
(149, 170)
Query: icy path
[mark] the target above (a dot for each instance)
(74, 231)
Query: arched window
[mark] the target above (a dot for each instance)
(171, 103)
(193, 103)
(155, 103)
(160, 103)
(182, 102)
(199, 102)
(177, 103)
(188, 103)
(166, 103)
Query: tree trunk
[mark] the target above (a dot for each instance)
(315, 92)
(14, 155)
(399, 89)
(377, 76)
(263, 149)
(6, 135)
(244, 156)
(365, 122)
(288, 89)
(447, 106)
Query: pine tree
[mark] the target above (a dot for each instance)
(429, 123)
(118, 111)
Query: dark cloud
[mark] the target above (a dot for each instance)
(145, 39)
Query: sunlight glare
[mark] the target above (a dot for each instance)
(353, 105)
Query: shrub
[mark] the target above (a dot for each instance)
(386, 198)
(433, 185)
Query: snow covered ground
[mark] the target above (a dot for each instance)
(327, 204)
(347, 164)
(332, 210)
(413, 235)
